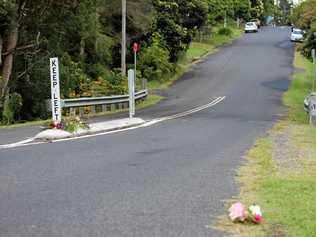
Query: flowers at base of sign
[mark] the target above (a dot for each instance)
(239, 213)
(56, 125)
(70, 124)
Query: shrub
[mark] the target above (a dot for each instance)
(225, 31)
(154, 63)
(12, 107)
(310, 43)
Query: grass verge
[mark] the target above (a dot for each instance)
(280, 171)
(300, 88)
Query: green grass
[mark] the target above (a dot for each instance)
(25, 124)
(286, 188)
(165, 83)
(150, 101)
(218, 40)
(198, 50)
(300, 88)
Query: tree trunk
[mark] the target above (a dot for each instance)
(8, 60)
(1, 43)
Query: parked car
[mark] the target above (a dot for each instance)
(257, 21)
(251, 27)
(297, 35)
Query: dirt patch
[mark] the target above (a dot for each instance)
(285, 153)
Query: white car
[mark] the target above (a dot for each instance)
(297, 35)
(251, 27)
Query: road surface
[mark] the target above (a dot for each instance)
(169, 179)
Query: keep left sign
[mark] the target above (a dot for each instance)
(55, 90)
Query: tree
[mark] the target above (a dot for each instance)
(257, 8)
(242, 8)
(21, 23)
(304, 16)
(177, 21)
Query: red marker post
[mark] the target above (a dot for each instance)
(136, 48)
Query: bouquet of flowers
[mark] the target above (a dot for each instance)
(239, 213)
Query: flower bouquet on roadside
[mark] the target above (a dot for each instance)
(239, 213)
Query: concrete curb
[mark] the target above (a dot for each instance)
(57, 134)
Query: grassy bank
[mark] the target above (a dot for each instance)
(280, 171)
(200, 49)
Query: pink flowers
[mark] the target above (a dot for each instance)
(238, 213)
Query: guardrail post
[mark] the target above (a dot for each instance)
(120, 106)
(112, 107)
(72, 111)
(81, 111)
(93, 109)
(104, 109)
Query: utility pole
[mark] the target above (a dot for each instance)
(123, 49)
(225, 19)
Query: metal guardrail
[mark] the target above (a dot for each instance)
(106, 100)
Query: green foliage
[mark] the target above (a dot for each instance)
(304, 16)
(12, 107)
(73, 124)
(231, 8)
(72, 77)
(116, 83)
(310, 43)
(154, 63)
(225, 31)
(257, 9)
(177, 21)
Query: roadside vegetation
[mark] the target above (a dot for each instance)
(86, 36)
(280, 170)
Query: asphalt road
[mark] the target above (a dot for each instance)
(170, 179)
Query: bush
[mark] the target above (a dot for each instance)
(310, 43)
(12, 107)
(225, 31)
(154, 63)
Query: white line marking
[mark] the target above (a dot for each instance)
(29, 142)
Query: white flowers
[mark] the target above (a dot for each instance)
(256, 213)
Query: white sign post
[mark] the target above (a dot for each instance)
(314, 69)
(55, 90)
(131, 89)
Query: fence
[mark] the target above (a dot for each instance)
(100, 104)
